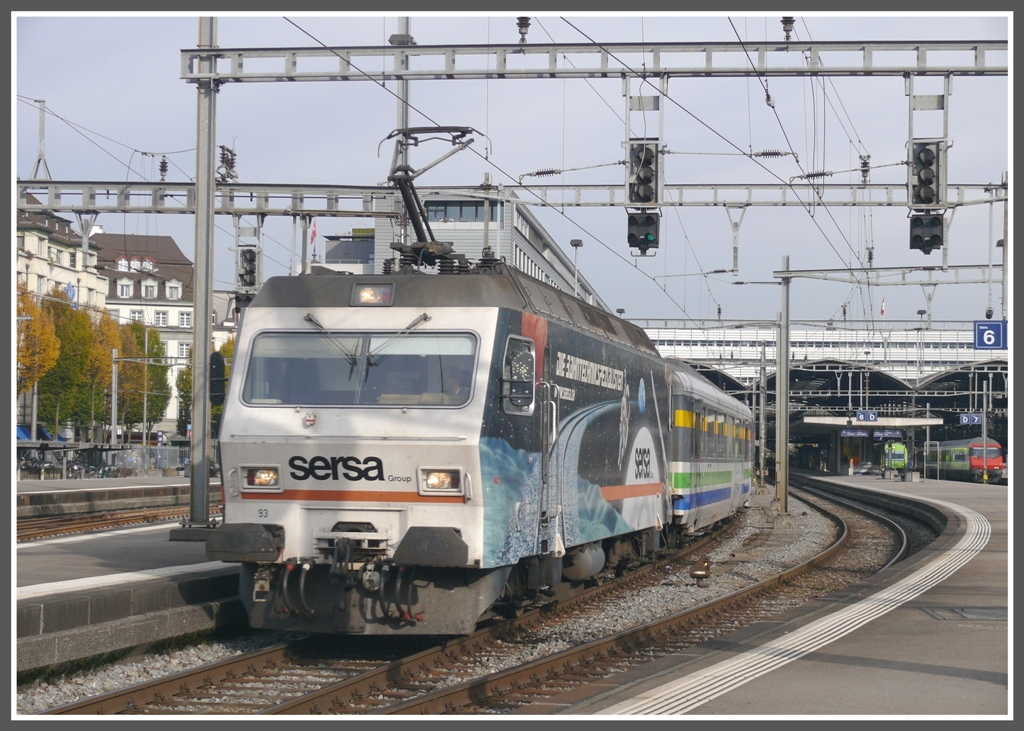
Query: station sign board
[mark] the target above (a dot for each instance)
(888, 433)
(853, 433)
(990, 335)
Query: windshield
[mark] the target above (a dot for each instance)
(345, 369)
(979, 452)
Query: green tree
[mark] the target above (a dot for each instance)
(228, 351)
(38, 345)
(66, 382)
(143, 390)
(183, 384)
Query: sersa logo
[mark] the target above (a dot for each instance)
(642, 463)
(329, 468)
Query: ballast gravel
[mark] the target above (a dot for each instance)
(755, 552)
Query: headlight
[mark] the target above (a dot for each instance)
(372, 294)
(261, 477)
(446, 481)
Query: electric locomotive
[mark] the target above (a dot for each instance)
(406, 454)
(402, 454)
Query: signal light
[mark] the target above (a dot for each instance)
(926, 183)
(642, 230)
(642, 180)
(247, 268)
(217, 378)
(927, 231)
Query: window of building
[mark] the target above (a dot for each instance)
(184, 349)
(149, 291)
(160, 318)
(54, 255)
(135, 265)
(173, 291)
(461, 211)
(148, 264)
(184, 319)
(73, 260)
(136, 315)
(116, 314)
(122, 264)
(21, 241)
(124, 290)
(40, 284)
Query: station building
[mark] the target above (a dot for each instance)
(915, 381)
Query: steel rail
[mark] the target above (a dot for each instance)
(133, 699)
(477, 690)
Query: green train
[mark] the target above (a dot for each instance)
(893, 456)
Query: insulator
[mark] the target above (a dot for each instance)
(818, 174)
(389, 266)
(547, 171)
(225, 156)
(446, 265)
(770, 153)
(163, 168)
(408, 259)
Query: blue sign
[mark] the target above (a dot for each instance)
(853, 432)
(990, 335)
(970, 418)
(888, 434)
(867, 416)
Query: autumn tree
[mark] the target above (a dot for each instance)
(65, 383)
(38, 345)
(99, 368)
(142, 388)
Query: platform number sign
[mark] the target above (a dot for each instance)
(970, 418)
(990, 335)
(867, 416)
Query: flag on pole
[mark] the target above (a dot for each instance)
(312, 240)
(883, 307)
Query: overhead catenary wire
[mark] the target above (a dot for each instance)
(782, 127)
(496, 167)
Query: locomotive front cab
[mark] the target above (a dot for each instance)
(350, 449)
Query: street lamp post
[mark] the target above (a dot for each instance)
(575, 244)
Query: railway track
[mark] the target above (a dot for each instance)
(281, 678)
(33, 528)
(309, 678)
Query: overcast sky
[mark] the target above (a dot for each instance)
(117, 80)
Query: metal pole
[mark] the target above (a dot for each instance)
(145, 389)
(305, 244)
(984, 432)
(782, 401)
(35, 410)
(404, 28)
(205, 186)
(1006, 245)
(763, 416)
(113, 399)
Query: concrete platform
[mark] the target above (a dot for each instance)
(929, 636)
(48, 498)
(107, 592)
